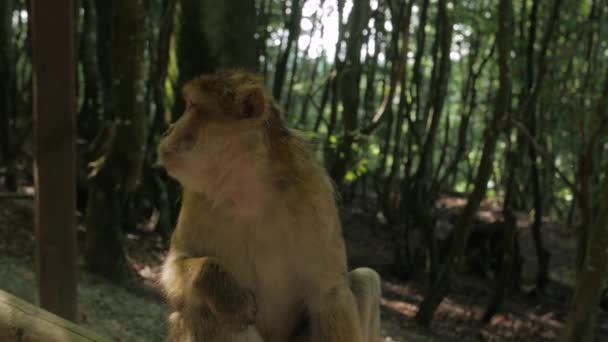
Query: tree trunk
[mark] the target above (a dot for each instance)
(372, 62)
(440, 289)
(293, 27)
(542, 254)
(292, 80)
(323, 104)
(509, 264)
(400, 75)
(263, 16)
(591, 278)
(332, 90)
(314, 72)
(469, 103)
(215, 35)
(416, 88)
(105, 9)
(92, 110)
(156, 180)
(348, 89)
(118, 172)
(421, 193)
(7, 108)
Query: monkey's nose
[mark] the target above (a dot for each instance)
(168, 131)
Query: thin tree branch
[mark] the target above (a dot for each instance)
(547, 157)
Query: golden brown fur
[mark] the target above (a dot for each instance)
(257, 254)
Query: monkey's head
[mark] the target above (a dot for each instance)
(224, 132)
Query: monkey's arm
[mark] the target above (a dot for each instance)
(204, 282)
(335, 317)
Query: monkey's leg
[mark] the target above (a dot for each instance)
(210, 305)
(335, 317)
(204, 282)
(366, 286)
(250, 334)
(183, 327)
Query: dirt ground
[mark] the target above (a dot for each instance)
(137, 312)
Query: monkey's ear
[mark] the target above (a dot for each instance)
(251, 102)
(192, 96)
(192, 106)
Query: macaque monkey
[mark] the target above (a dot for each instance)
(257, 254)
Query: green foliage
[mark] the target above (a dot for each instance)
(172, 75)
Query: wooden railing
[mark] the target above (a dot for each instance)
(22, 321)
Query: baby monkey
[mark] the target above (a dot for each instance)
(258, 253)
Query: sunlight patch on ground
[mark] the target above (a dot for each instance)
(448, 307)
(403, 308)
(401, 290)
(546, 319)
(451, 202)
(505, 325)
(404, 301)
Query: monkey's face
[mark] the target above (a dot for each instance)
(215, 138)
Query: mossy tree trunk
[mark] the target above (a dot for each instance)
(117, 172)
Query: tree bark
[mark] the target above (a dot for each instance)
(372, 63)
(509, 263)
(158, 181)
(118, 171)
(7, 107)
(440, 289)
(308, 98)
(215, 35)
(105, 10)
(293, 27)
(591, 278)
(348, 89)
(469, 103)
(416, 88)
(92, 111)
(400, 74)
(423, 189)
(543, 256)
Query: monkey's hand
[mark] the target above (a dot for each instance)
(228, 301)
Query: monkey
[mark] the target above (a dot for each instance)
(257, 253)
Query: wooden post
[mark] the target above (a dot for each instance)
(54, 163)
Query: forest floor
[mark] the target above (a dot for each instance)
(137, 312)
